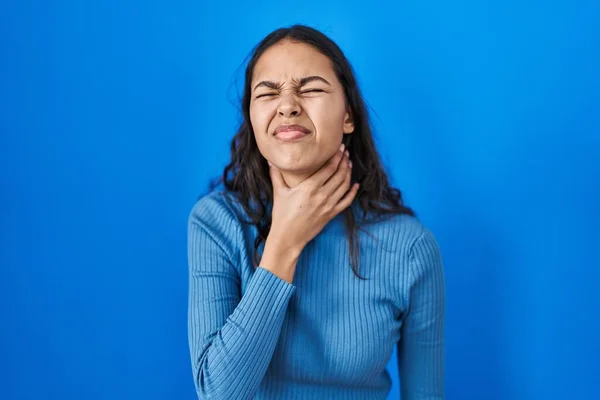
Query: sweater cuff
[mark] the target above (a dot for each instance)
(266, 281)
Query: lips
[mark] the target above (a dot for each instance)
(290, 135)
(289, 130)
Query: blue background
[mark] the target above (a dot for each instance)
(114, 116)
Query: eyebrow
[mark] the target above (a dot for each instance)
(303, 81)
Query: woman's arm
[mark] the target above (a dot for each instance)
(421, 349)
(231, 338)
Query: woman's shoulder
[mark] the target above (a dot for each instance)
(217, 207)
(398, 232)
(395, 223)
(214, 215)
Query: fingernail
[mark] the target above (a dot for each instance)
(270, 165)
(350, 163)
(342, 146)
(347, 153)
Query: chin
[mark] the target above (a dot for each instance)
(297, 167)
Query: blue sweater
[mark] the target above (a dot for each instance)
(327, 335)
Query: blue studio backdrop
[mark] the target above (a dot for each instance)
(115, 115)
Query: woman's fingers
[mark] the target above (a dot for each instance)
(342, 188)
(338, 177)
(346, 200)
(323, 174)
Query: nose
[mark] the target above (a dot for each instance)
(289, 106)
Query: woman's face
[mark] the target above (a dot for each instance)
(293, 83)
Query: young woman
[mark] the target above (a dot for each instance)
(301, 281)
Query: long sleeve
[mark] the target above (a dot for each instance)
(232, 338)
(421, 349)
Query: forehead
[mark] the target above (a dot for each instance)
(287, 60)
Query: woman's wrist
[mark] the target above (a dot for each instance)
(280, 259)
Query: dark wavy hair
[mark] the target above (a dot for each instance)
(247, 175)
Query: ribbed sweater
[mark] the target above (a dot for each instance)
(326, 335)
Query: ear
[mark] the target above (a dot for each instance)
(348, 123)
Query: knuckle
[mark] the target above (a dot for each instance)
(312, 190)
(344, 164)
(346, 183)
(322, 198)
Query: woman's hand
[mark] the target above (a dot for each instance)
(301, 212)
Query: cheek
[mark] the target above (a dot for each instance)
(259, 118)
(254, 119)
(328, 117)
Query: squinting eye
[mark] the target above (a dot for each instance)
(264, 95)
(313, 90)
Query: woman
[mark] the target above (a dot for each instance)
(277, 306)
